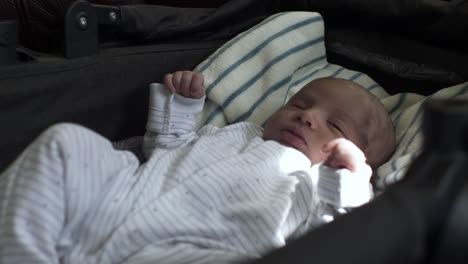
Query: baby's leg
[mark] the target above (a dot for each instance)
(49, 189)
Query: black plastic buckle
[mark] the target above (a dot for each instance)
(81, 27)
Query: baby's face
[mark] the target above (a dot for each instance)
(323, 110)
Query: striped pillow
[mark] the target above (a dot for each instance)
(254, 74)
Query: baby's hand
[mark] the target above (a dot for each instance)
(186, 83)
(345, 154)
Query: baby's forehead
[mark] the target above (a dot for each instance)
(331, 85)
(334, 90)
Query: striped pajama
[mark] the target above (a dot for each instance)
(219, 195)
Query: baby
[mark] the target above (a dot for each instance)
(216, 195)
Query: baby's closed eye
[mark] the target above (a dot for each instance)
(337, 126)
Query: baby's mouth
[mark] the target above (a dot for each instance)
(293, 138)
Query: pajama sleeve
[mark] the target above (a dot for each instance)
(324, 193)
(342, 188)
(171, 119)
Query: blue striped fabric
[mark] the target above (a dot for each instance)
(406, 112)
(254, 74)
(205, 64)
(260, 46)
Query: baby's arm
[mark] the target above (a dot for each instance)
(172, 111)
(344, 177)
(338, 184)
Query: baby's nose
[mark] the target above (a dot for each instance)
(309, 119)
(306, 121)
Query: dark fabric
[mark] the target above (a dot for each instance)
(41, 22)
(150, 22)
(178, 3)
(107, 92)
(188, 3)
(398, 63)
(405, 30)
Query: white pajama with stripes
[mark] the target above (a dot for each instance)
(215, 195)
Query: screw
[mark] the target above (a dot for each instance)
(83, 22)
(112, 16)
